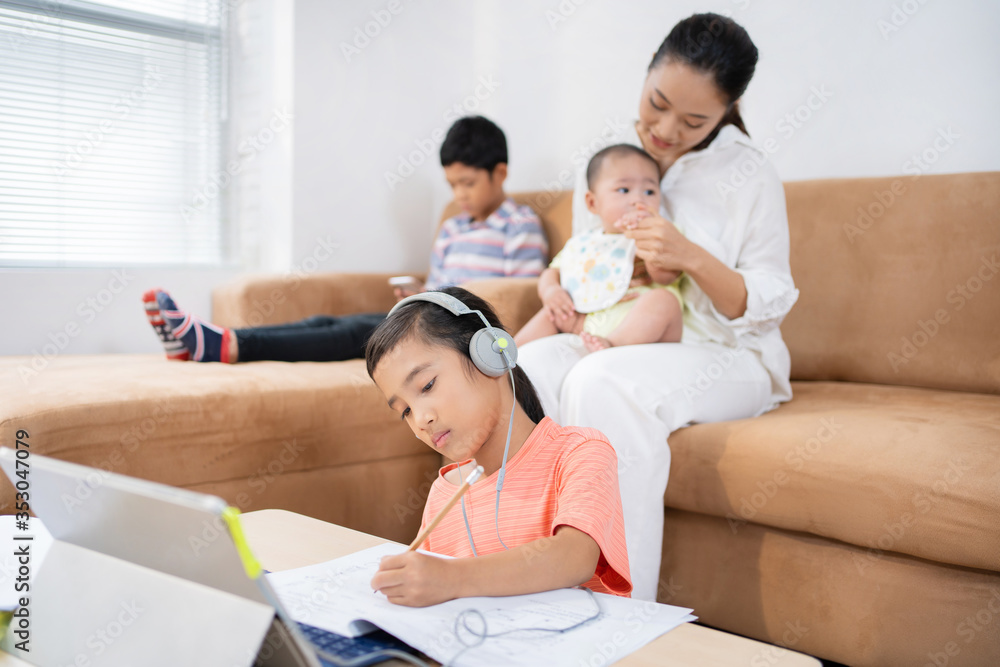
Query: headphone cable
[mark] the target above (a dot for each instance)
(503, 466)
(503, 470)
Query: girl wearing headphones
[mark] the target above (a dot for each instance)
(558, 521)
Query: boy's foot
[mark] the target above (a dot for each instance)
(174, 348)
(204, 341)
(594, 343)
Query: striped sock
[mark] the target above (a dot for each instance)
(174, 348)
(204, 341)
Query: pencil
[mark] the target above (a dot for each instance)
(473, 476)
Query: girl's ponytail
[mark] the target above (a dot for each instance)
(527, 396)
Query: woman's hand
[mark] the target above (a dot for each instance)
(414, 579)
(665, 250)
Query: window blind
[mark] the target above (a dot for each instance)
(111, 124)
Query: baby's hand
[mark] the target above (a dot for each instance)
(640, 275)
(558, 303)
(631, 219)
(413, 579)
(668, 277)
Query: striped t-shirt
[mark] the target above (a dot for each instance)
(561, 476)
(509, 242)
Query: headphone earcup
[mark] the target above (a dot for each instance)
(485, 354)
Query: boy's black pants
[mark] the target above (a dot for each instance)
(318, 338)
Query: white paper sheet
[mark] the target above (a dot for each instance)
(337, 596)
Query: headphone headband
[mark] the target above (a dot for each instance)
(446, 301)
(492, 349)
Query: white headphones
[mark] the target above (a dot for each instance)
(492, 350)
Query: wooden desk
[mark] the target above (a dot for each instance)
(285, 540)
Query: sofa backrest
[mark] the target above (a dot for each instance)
(899, 277)
(899, 280)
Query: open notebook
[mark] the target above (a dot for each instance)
(337, 596)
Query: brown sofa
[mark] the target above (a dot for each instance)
(860, 522)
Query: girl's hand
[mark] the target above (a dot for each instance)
(658, 243)
(558, 304)
(414, 580)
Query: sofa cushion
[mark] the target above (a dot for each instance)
(253, 301)
(899, 280)
(210, 426)
(891, 469)
(808, 594)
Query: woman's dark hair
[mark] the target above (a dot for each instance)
(719, 46)
(434, 325)
(476, 142)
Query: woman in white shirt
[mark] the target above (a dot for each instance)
(731, 362)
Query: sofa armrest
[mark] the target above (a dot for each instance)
(514, 299)
(276, 299)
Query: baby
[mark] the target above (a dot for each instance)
(596, 287)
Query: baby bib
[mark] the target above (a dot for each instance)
(596, 268)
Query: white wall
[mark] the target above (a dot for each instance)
(555, 84)
(359, 114)
(561, 81)
(106, 311)
(87, 311)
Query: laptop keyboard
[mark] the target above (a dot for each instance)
(352, 648)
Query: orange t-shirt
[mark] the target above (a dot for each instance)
(561, 476)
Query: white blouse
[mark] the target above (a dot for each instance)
(729, 200)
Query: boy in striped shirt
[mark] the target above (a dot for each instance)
(491, 238)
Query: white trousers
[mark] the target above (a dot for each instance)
(637, 395)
